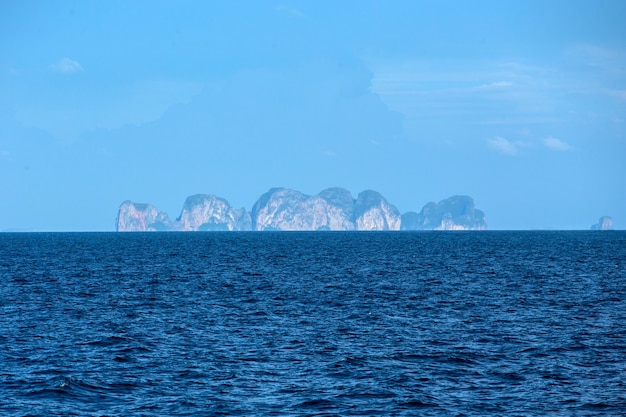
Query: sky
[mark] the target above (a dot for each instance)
(519, 104)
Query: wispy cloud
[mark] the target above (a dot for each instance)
(556, 144)
(290, 11)
(67, 66)
(526, 92)
(497, 84)
(503, 146)
(606, 59)
(621, 94)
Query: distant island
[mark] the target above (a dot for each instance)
(604, 223)
(282, 209)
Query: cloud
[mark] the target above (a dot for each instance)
(556, 144)
(503, 146)
(491, 91)
(620, 94)
(609, 60)
(67, 66)
(290, 11)
(507, 147)
(497, 84)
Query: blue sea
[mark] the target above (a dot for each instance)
(315, 324)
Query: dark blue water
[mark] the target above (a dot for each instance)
(487, 323)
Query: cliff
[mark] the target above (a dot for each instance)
(138, 217)
(331, 209)
(285, 209)
(203, 212)
(454, 213)
(200, 213)
(373, 212)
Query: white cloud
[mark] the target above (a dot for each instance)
(503, 146)
(497, 84)
(556, 144)
(67, 66)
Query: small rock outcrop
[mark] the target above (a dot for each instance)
(454, 213)
(139, 217)
(605, 223)
(202, 212)
(411, 221)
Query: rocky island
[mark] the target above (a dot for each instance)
(454, 213)
(282, 209)
(332, 209)
(605, 223)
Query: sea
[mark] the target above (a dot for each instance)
(313, 324)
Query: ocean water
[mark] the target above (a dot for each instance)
(273, 324)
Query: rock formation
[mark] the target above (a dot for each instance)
(285, 209)
(331, 209)
(204, 212)
(411, 221)
(200, 213)
(138, 217)
(373, 212)
(454, 213)
(605, 223)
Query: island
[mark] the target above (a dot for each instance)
(604, 223)
(283, 209)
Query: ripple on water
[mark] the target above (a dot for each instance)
(313, 324)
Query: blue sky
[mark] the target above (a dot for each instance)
(521, 105)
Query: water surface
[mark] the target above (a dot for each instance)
(433, 324)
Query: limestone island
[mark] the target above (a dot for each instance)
(282, 209)
(605, 223)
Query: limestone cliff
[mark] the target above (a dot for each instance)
(138, 217)
(373, 212)
(331, 209)
(454, 213)
(202, 212)
(341, 210)
(605, 223)
(284, 209)
(410, 221)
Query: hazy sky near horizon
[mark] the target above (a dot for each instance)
(519, 104)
